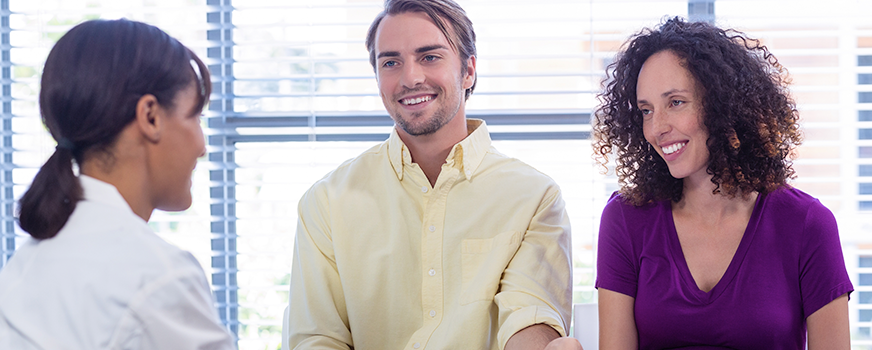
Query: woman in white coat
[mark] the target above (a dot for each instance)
(123, 100)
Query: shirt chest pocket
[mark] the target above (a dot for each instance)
(483, 262)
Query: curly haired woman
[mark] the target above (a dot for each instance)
(706, 245)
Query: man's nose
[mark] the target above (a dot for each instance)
(413, 75)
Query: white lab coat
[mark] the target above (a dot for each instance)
(106, 281)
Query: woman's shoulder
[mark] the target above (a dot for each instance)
(790, 200)
(796, 211)
(114, 235)
(618, 202)
(619, 209)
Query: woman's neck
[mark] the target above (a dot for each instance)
(124, 169)
(699, 199)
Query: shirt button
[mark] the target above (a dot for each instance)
(432, 313)
(432, 228)
(417, 345)
(432, 272)
(424, 189)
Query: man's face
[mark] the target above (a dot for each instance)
(419, 74)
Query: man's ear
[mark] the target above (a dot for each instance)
(149, 119)
(469, 76)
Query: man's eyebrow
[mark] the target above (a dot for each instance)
(430, 48)
(418, 51)
(388, 54)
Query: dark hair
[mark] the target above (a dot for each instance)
(461, 36)
(93, 78)
(748, 112)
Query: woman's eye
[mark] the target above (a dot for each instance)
(645, 111)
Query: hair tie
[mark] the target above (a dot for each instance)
(200, 83)
(65, 143)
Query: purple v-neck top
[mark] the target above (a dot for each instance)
(788, 265)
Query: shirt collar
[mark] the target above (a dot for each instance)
(466, 154)
(101, 192)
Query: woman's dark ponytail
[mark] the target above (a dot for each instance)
(46, 206)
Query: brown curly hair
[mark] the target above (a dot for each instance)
(747, 109)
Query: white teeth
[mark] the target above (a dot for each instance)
(414, 101)
(673, 147)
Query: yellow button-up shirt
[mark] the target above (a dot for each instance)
(383, 260)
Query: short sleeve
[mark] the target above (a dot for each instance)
(823, 276)
(617, 267)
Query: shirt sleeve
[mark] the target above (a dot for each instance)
(175, 312)
(536, 287)
(616, 266)
(317, 318)
(823, 276)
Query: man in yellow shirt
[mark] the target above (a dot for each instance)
(431, 239)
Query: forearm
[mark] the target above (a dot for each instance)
(541, 336)
(536, 336)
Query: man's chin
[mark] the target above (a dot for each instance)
(427, 127)
(419, 130)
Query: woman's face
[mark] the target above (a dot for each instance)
(181, 144)
(671, 106)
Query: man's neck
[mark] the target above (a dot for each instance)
(430, 151)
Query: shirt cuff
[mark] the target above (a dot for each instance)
(528, 316)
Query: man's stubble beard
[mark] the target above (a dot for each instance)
(443, 115)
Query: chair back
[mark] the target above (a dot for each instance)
(285, 328)
(585, 325)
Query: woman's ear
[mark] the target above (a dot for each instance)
(149, 115)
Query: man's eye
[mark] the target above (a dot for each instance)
(389, 64)
(676, 103)
(430, 58)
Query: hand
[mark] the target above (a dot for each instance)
(564, 343)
